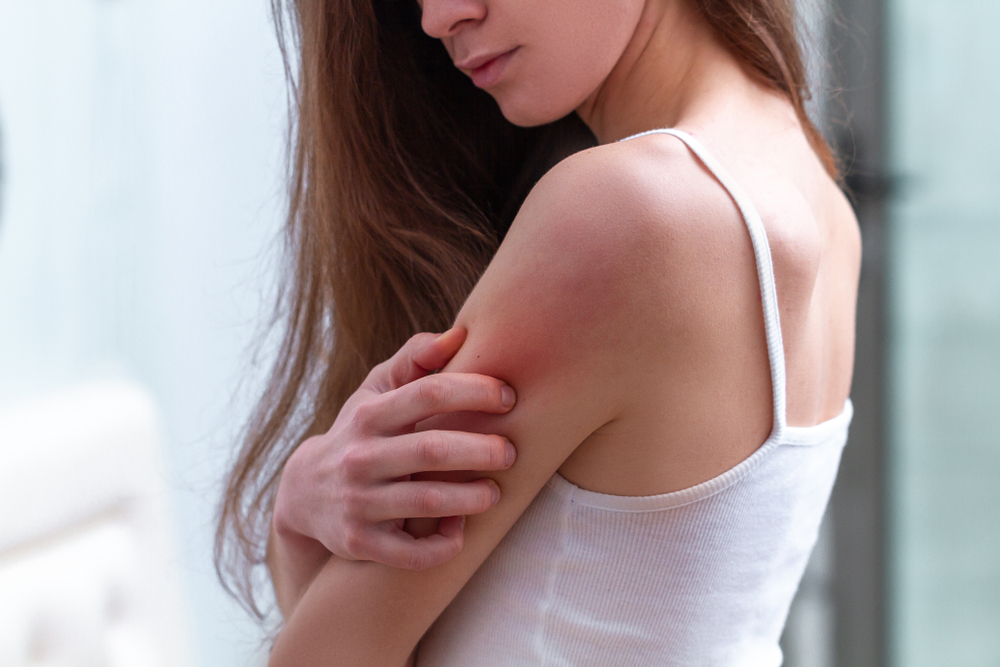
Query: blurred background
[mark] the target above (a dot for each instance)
(141, 144)
(141, 171)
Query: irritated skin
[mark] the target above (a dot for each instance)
(549, 345)
(600, 303)
(623, 306)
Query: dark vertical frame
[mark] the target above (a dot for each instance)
(858, 505)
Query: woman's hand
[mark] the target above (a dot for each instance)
(348, 491)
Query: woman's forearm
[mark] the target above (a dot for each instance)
(356, 614)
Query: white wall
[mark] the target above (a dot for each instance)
(141, 144)
(944, 290)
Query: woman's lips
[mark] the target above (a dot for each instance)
(489, 73)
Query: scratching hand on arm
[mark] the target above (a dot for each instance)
(556, 317)
(348, 491)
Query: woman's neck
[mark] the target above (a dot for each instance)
(673, 69)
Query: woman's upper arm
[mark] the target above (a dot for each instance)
(550, 316)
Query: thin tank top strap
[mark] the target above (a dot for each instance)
(765, 268)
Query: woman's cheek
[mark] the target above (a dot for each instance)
(542, 96)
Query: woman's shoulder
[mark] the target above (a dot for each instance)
(639, 210)
(597, 255)
(650, 182)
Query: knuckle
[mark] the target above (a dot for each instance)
(347, 510)
(282, 517)
(432, 449)
(420, 339)
(455, 547)
(351, 500)
(354, 542)
(430, 500)
(354, 462)
(413, 347)
(366, 416)
(417, 560)
(380, 368)
(380, 376)
(433, 391)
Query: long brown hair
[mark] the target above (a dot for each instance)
(404, 178)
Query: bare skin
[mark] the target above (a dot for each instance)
(623, 306)
(348, 491)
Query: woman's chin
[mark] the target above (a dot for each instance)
(531, 115)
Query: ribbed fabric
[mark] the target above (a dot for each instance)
(703, 576)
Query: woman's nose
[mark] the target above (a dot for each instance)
(445, 18)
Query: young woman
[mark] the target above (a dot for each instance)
(671, 309)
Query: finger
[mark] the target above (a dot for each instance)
(421, 354)
(445, 392)
(397, 548)
(438, 352)
(431, 499)
(452, 526)
(441, 451)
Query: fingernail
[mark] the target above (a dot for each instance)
(511, 454)
(496, 494)
(508, 396)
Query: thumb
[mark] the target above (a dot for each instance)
(439, 351)
(419, 356)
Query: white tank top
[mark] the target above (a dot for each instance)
(702, 576)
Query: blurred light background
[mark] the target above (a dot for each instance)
(141, 144)
(141, 158)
